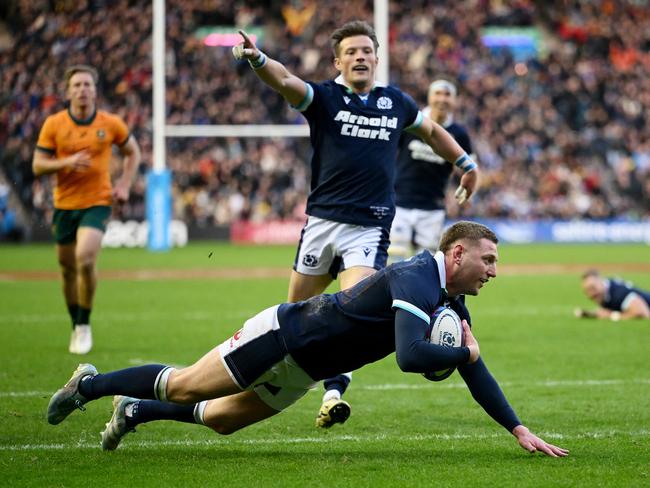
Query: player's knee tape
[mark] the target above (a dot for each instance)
(199, 411)
(160, 385)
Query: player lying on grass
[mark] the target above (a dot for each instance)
(280, 353)
(617, 299)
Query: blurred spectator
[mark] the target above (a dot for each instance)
(565, 135)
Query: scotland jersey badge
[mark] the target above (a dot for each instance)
(384, 103)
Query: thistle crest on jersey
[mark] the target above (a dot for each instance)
(384, 103)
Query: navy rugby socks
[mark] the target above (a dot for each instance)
(148, 410)
(138, 382)
(339, 382)
(73, 310)
(83, 315)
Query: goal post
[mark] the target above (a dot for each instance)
(158, 193)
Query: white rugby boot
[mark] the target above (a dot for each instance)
(68, 398)
(72, 347)
(84, 339)
(116, 428)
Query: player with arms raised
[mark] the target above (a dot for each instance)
(355, 124)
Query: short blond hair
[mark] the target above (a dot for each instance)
(80, 68)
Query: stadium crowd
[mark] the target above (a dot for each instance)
(564, 134)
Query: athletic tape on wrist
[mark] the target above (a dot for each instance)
(465, 163)
(258, 62)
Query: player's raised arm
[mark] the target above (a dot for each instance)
(444, 144)
(271, 72)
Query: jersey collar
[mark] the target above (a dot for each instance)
(87, 121)
(439, 258)
(340, 81)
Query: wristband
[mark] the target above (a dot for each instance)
(258, 62)
(465, 163)
(615, 316)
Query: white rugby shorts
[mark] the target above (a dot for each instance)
(420, 228)
(331, 247)
(279, 385)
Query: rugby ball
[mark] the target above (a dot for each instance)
(446, 330)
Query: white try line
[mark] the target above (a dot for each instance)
(509, 384)
(131, 443)
(237, 317)
(406, 386)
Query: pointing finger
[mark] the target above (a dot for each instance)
(245, 36)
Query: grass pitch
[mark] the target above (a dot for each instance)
(583, 385)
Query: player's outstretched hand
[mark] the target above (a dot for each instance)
(581, 313)
(246, 50)
(471, 342)
(532, 443)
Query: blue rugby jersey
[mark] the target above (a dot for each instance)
(355, 148)
(328, 334)
(618, 293)
(422, 175)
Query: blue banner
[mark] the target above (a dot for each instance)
(159, 209)
(579, 231)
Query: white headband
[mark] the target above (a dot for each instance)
(443, 84)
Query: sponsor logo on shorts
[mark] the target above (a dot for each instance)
(235, 338)
(310, 260)
(366, 251)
